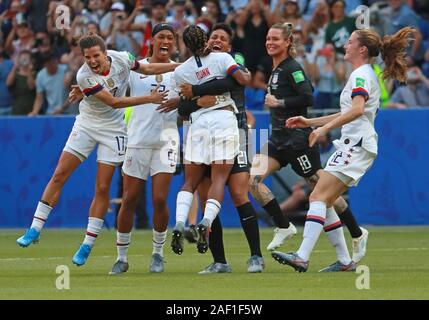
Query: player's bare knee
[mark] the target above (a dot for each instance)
(159, 203)
(238, 197)
(59, 176)
(340, 205)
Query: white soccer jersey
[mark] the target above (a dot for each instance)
(362, 81)
(198, 70)
(147, 125)
(91, 110)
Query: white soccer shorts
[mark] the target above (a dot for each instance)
(142, 162)
(213, 137)
(112, 143)
(349, 164)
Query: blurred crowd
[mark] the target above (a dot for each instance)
(39, 52)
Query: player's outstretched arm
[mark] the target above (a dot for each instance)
(242, 77)
(156, 68)
(122, 102)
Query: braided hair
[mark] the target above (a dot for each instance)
(195, 40)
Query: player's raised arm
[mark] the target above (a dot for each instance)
(156, 68)
(122, 102)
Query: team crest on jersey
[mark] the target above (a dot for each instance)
(158, 78)
(110, 82)
(275, 78)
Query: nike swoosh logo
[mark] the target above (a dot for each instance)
(247, 218)
(122, 154)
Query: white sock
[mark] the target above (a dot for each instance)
(211, 211)
(158, 240)
(312, 229)
(122, 244)
(94, 228)
(335, 233)
(40, 216)
(183, 206)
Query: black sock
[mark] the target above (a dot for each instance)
(249, 223)
(274, 211)
(216, 241)
(349, 220)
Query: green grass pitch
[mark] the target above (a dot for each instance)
(397, 258)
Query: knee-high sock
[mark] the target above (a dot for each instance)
(211, 211)
(216, 241)
(249, 223)
(313, 227)
(349, 220)
(273, 209)
(183, 205)
(41, 215)
(122, 244)
(334, 231)
(158, 241)
(92, 231)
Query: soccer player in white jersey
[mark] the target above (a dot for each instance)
(213, 137)
(357, 147)
(103, 78)
(153, 142)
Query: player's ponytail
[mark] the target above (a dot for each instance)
(392, 49)
(287, 31)
(195, 40)
(393, 52)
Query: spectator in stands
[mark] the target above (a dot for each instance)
(50, 85)
(42, 46)
(288, 11)
(74, 59)
(108, 19)
(22, 84)
(143, 22)
(213, 11)
(341, 26)
(36, 15)
(94, 11)
(414, 94)
(6, 66)
(329, 77)
(120, 39)
(399, 15)
(255, 20)
(238, 30)
(316, 28)
(179, 18)
(25, 39)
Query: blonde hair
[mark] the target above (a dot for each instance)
(392, 49)
(287, 32)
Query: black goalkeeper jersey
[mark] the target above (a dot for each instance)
(289, 83)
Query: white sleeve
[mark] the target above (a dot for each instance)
(228, 63)
(88, 84)
(361, 85)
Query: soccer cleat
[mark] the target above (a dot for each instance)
(157, 263)
(191, 234)
(292, 259)
(81, 255)
(216, 267)
(255, 264)
(119, 267)
(339, 267)
(203, 236)
(30, 236)
(280, 236)
(359, 246)
(177, 242)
